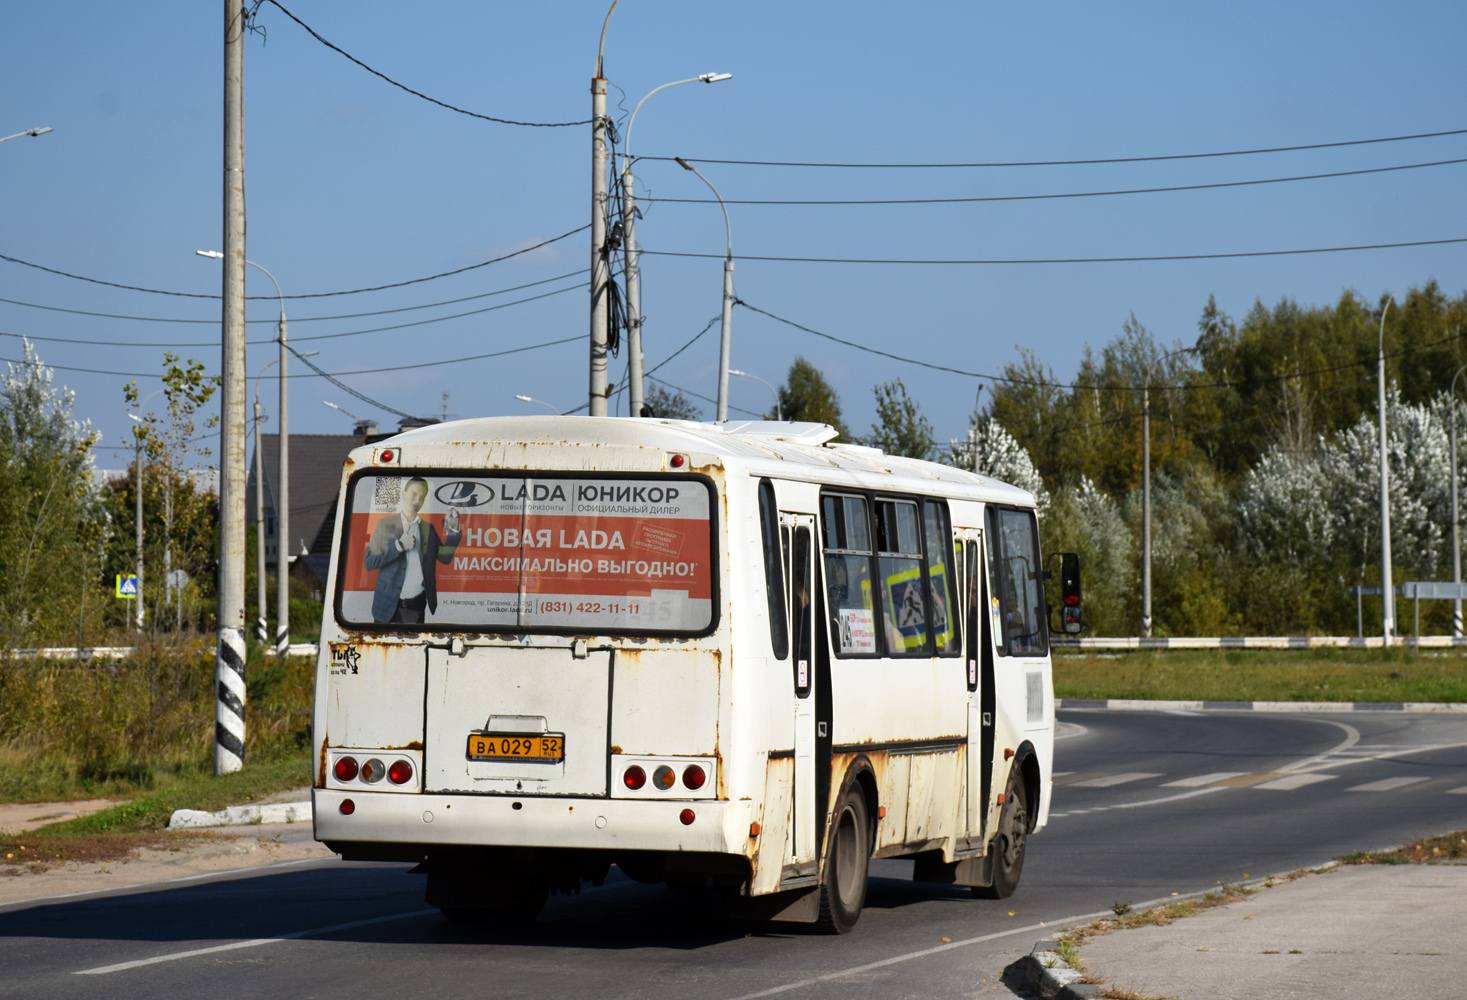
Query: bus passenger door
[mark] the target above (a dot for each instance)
(978, 655)
(796, 536)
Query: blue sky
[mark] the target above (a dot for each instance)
(352, 183)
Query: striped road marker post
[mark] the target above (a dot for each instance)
(229, 701)
(282, 641)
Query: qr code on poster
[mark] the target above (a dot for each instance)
(386, 493)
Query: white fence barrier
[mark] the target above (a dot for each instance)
(1257, 642)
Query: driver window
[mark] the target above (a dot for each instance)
(1016, 583)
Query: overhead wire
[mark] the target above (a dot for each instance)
(307, 295)
(1049, 197)
(1057, 260)
(699, 395)
(318, 336)
(432, 100)
(298, 319)
(1063, 163)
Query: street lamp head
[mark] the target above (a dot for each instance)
(38, 131)
(523, 399)
(714, 77)
(684, 163)
(210, 253)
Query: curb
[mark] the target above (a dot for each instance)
(1045, 970)
(1146, 705)
(281, 812)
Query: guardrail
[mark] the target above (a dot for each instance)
(1258, 642)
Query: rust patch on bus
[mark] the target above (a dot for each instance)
(321, 769)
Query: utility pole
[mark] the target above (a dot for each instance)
(1146, 511)
(138, 469)
(282, 511)
(725, 340)
(1387, 596)
(1456, 517)
(229, 660)
(600, 262)
(262, 628)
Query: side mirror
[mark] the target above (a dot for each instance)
(1069, 576)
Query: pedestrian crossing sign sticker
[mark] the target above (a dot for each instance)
(127, 586)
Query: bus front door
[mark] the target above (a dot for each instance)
(795, 531)
(978, 653)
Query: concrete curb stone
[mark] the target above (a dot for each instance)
(279, 812)
(1330, 707)
(1046, 971)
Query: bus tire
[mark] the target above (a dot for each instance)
(519, 902)
(843, 890)
(1007, 850)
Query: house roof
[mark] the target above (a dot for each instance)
(315, 477)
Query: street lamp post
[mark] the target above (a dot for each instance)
(531, 399)
(1146, 492)
(600, 262)
(1387, 596)
(629, 246)
(30, 131)
(140, 434)
(1456, 517)
(725, 344)
(262, 628)
(282, 475)
(756, 378)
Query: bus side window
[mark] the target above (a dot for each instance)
(773, 571)
(1016, 587)
(847, 536)
(942, 582)
(899, 567)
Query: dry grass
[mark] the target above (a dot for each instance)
(37, 853)
(1345, 675)
(119, 728)
(1449, 847)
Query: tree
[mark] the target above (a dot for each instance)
(806, 395)
(51, 524)
(669, 405)
(180, 516)
(990, 450)
(901, 429)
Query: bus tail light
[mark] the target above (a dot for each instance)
(346, 768)
(634, 777)
(694, 777)
(373, 771)
(664, 777)
(686, 817)
(400, 773)
(348, 807)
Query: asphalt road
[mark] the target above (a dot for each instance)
(1147, 804)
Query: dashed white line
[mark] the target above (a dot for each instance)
(1111, 780)
(1385, 784)
(1292, 781)
(1198, 780)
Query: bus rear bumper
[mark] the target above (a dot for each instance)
(433, 819)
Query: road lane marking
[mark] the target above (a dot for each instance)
(1111, 780)
(1136, 805)
(1070, 777)
(252, 943)
(1289, 782)
(1458, 791)
(1198, 780)
(1249, 780)
(1352, 737)
(1385, 784)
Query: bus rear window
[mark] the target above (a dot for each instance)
(546, 553)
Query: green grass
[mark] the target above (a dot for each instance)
(1393, 675)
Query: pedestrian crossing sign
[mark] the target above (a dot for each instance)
(127, 586)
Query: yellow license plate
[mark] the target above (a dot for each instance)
(534, 748)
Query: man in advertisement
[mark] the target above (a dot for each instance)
(405, 551)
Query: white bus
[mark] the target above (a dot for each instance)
(739, 653)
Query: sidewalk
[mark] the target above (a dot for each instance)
(1355, 932)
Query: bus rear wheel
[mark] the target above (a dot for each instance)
(510, 901)
(1007, 850)
(843, 890)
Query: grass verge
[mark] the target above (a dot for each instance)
(1422, 851)
(1344, 675)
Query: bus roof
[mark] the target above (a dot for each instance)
(782, 449)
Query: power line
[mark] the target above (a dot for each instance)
(319, 336)
(295, 319)
(1058, 260)
(308, 295)
(384, 76)
(1061, 163)
(1047, 197)
(327, 375)
(699, 395)
(1091, 386)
